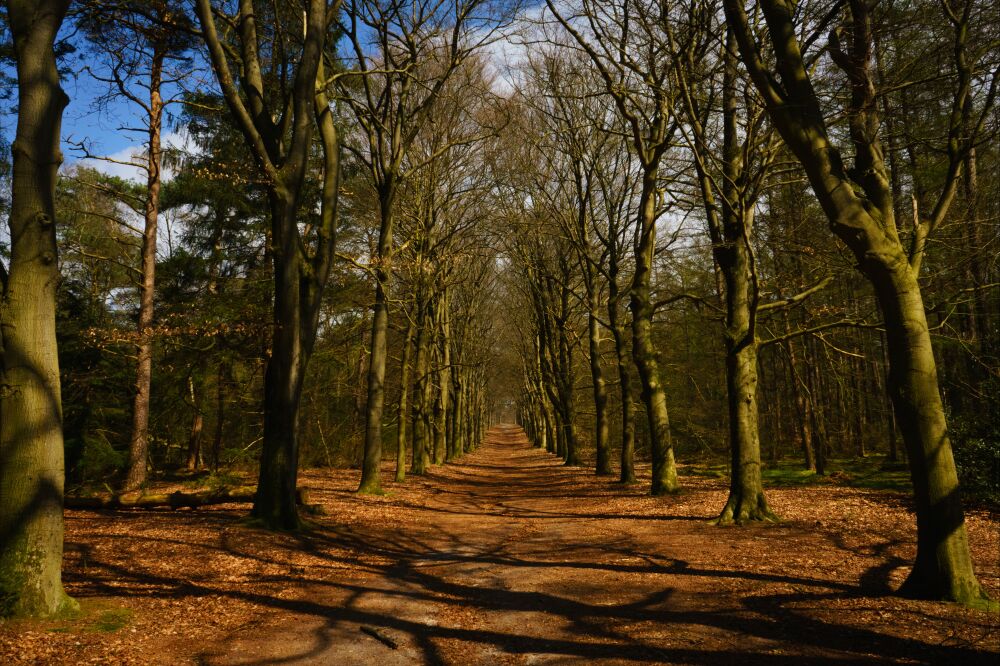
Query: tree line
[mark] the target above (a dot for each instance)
(645, 231)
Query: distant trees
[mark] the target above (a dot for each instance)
(403, 57)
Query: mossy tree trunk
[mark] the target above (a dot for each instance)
(729, 203)
(654, 397)
(401, 409)
(444, 380)
(421, 391)
(31, 440)
(371, 478)
(858, 205)
(601, 436)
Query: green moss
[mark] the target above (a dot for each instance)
(111, 620)
(12, 586)
(874, 472)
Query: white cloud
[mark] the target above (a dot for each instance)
(127, 162)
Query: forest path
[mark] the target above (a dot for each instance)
(509, 557)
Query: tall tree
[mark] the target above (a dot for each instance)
(144, 47)
(31, 439)
(858, 203)
(730, 175)
(272, 73)
(626, 44)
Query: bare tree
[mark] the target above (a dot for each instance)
(858, 204)
(270, 62)
(626, 43)
(404, 54)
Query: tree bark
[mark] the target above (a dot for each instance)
(729, 212)
(858, 206)
(442, 443)
(601, 442)
(653, 396)
(138, 458)
(31, 439)
(174, 500)
(275, 503)
(421, 393)
(301, 269)
(371, 478)
(194, 458)
(401, 411)
(624, 362)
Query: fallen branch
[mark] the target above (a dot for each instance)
(379, 636)
(178, 499)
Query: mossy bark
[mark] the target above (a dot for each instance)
(654, 397)
(859, 207)
(31, 441)
(624, 364)
(601, 436)
(402, 414)
(371, 479)
(729, 211)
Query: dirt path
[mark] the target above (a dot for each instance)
(508, 557)
(513, 558)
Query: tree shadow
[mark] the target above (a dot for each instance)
(546, 591)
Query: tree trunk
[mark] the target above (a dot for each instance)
(458, 414)
(371, 478)
(401, 410)
(746, 501)
(943, 566)
(291, 345)
(664, 469)
(197, 424)
(443, 443)
(421, 393)
(601, 442)
(220, 416)
(858, 205)
(624, 361)
(138, 458)
(31, 441)
(803, 404)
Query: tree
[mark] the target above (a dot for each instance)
(31, 440)
(278, 96)
(730, 176)
(418, 46)
(143, 44)
(626, 50)
(858, 204)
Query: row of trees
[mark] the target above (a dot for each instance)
(291, 144)
(372, 242)
(703, 123)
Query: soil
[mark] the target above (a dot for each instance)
(509, 557)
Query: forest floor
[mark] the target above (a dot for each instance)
(508, 557)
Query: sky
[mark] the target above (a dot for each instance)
(101, 125)
(110, 128)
